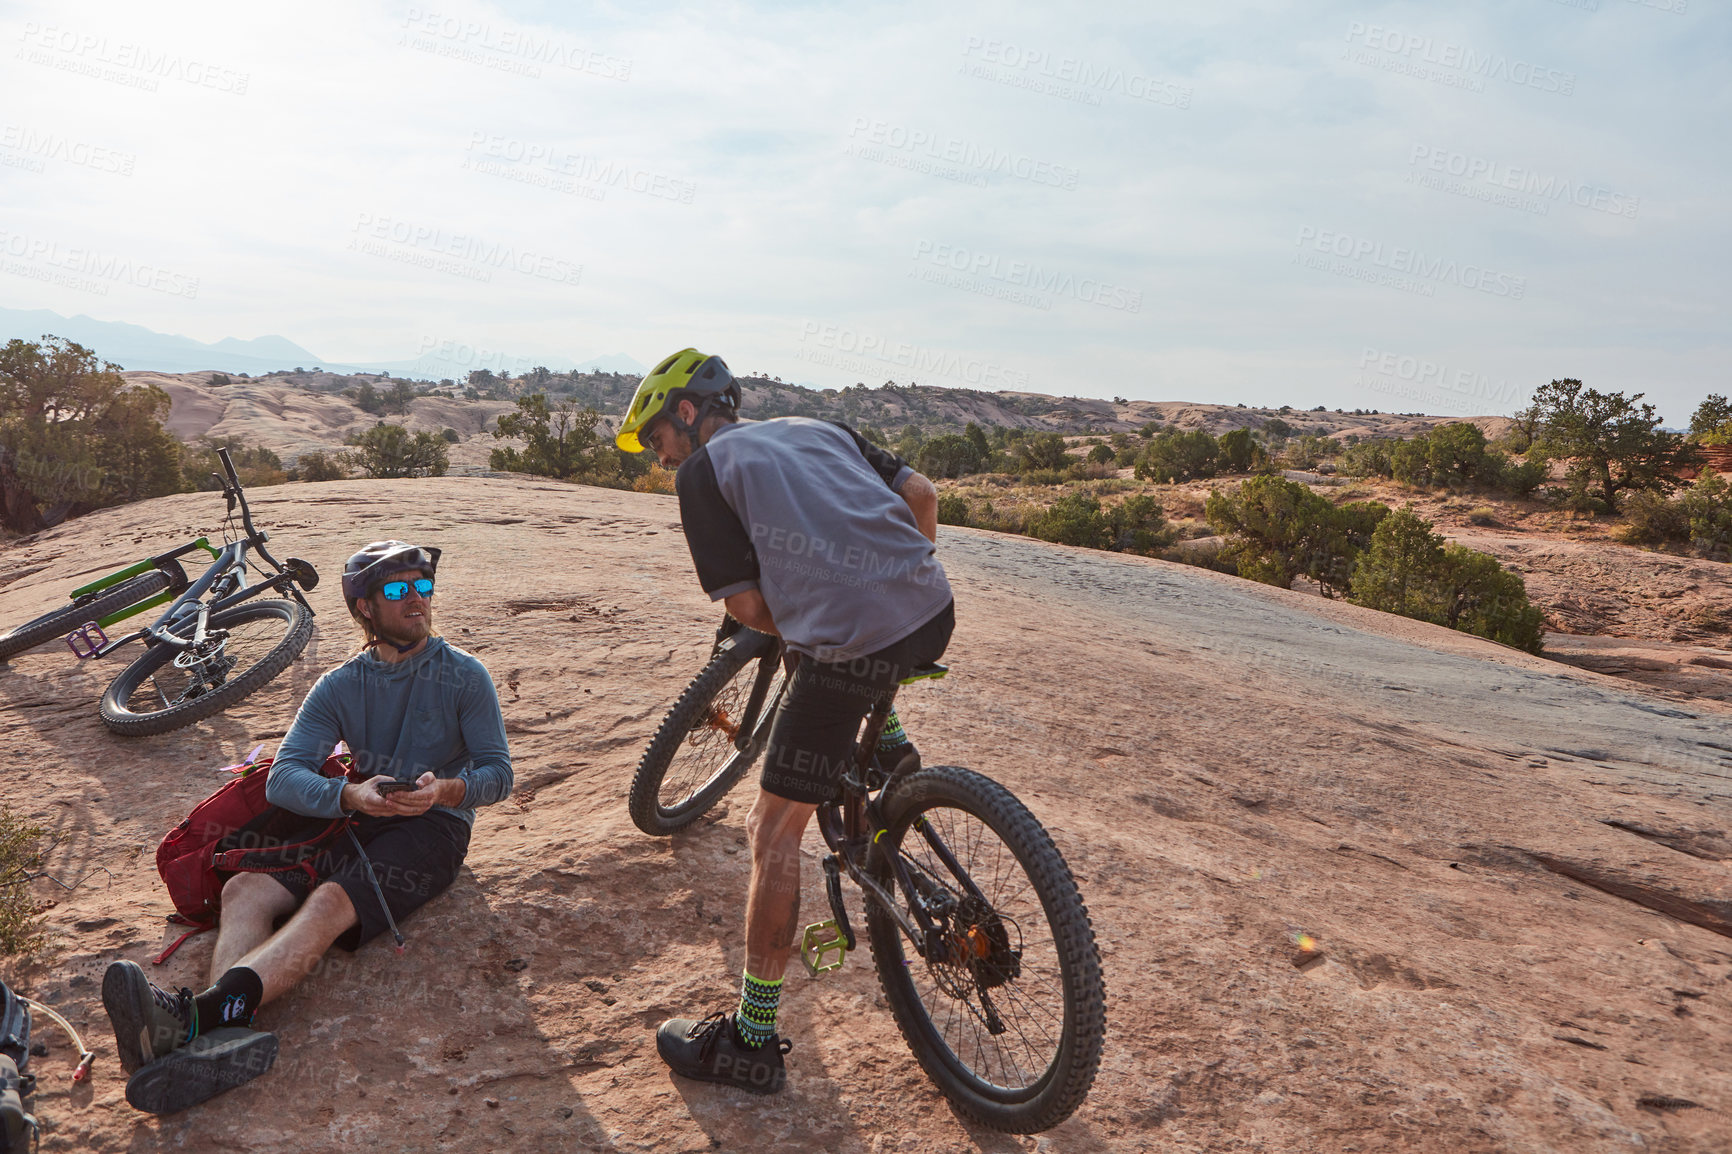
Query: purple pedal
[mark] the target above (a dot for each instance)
(92, 637)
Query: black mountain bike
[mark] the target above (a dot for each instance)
(980, 938)
(214, 644)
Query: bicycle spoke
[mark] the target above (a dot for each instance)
(960, 853)
(710, 743)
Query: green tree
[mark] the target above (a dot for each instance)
(74, 436)
(368, 400)
(1039, 451)
(1711, 424)
(200, 465)
(1397, 573)
(1100, 455)
(952, 509)
(1279, 529)
(1408, 569)
(322, 466)
(1613, 443)
(1708, 506)
(1175, 456)
(1239, 451)
(1138, 525)
(977, 437)
(561, 441)
(392, 451)
(1073, 519)
(399, 397)
(949, 455)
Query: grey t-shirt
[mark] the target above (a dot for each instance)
(436, 711)
(808, 513)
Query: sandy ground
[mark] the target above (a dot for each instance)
(1224, 765)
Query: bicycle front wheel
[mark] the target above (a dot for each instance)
(81, 612)
(166, 688)
(693, 760)
(1004, 1006)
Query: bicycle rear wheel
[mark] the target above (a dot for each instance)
(86, 609)
(692, 760)
(1006, 1009)
(157, 693)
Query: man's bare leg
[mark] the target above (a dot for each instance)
(285, 957)
(251, 905)
(774, 828)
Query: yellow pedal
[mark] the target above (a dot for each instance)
(823, 948)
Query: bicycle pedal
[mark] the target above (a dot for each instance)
(823, 939)
(91, 635)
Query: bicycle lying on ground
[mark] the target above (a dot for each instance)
(980, 938)
(211, 647)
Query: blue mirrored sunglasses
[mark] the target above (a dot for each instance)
(397, 590)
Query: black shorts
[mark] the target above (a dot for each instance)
(414, 858)
(813, 737)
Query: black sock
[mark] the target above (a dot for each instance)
(231, 1002)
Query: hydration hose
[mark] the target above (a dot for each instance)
(85, 1057)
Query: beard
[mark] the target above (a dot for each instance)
(407, 634)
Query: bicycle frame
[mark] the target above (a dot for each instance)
(230, 560)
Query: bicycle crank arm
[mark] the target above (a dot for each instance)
(887, 901)
(833, 890)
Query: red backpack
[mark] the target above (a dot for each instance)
(235, 830)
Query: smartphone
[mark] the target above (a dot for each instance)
(395, 786)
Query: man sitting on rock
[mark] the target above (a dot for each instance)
(422, 718)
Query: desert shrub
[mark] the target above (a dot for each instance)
(654, 480)
(1653, 520)
(217, 380)
(451, 436)
(950, 455)
(322, 466)
(1508, 475)
(1045, 477)
(561, 441)
(1369, 459)
(1206, 553)
(392, 451)
(1279, 529)
(1175, 456)
(1238, 451)
(1409, 570)
(1708, 505)
(1101, 455)
(256, 466)
(1073, 519)
(1038, 453)
(1711, 424)
(952, 509)
(22, 847)
(1482, 515)
(1137, 525)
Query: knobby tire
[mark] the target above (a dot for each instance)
(1052, 1094)
(240, 684)
(81, 612)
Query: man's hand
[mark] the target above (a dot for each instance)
(364, 796)
(429, 791)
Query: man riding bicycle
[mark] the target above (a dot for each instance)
(806, 530)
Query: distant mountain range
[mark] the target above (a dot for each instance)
(136, 347)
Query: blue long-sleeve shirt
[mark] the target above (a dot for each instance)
(436, 711)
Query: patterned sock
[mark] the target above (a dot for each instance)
(231, 1002)
(894, 737)
(755, 1021)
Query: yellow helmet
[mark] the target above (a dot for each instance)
(686, 375)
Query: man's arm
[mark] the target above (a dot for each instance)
(922, 498)
(489, 777)
(295, 782)
(749, 609)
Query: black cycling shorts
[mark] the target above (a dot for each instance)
(813, 737)
(415, 859)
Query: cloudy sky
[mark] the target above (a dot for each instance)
(1392, 206)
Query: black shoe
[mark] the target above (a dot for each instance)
(202, 1069)
(711, 1051)
(149, 1021)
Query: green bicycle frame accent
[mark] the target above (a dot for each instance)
(144, 566)
(162, 598)
(820, 941)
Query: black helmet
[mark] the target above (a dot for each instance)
(367, 570)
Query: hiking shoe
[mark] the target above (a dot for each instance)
(711, 1051)
(202, 1069)
(148, 1020)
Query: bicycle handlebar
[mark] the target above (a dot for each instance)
(256, 538)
